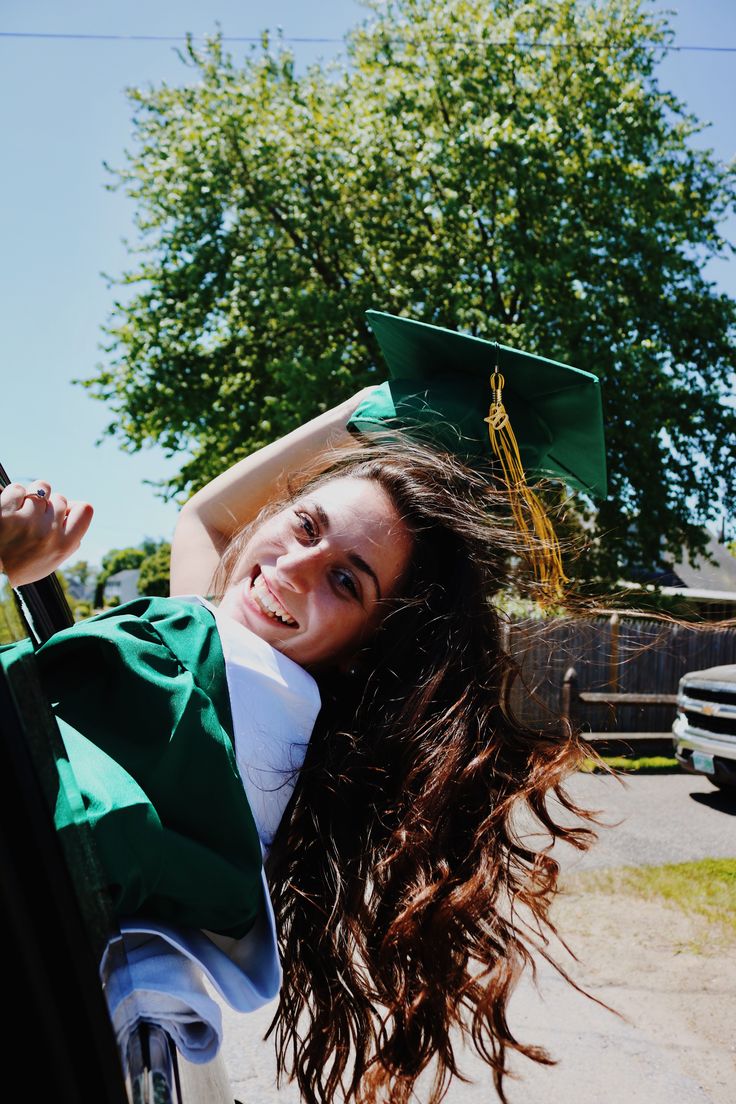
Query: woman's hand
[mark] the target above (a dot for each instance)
(215, 513)
(38, 530)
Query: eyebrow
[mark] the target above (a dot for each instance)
(355, 558)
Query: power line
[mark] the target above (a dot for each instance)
(150, 38)
(298, 40)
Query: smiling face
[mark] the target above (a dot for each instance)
(313, 579)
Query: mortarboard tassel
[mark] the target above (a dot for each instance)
(541, 539)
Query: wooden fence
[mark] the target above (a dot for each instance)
(615, 657)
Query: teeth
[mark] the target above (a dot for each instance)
(268, 603)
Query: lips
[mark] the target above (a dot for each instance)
(268, 604)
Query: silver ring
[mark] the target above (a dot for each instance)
(39, 493)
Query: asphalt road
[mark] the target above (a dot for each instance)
(655, 819)
(659, 819)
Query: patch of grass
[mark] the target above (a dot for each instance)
(706, 888)
(652, 764)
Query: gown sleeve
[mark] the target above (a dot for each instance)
(140, 697)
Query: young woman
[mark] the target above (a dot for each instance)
(398, 878)
(360, 738)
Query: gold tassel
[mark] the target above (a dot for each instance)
(540, 538)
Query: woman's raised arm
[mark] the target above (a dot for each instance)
(215, 513)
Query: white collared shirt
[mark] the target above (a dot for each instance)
(274, 703)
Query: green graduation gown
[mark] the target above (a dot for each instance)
(140, 697)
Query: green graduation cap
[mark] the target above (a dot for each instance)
(441, 384)
(484, 401)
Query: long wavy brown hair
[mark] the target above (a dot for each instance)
(407, 893)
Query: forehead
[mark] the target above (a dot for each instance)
(355, 507)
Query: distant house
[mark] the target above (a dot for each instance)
(82, 592)
(123, 585)
(710, 585)
(717, 576)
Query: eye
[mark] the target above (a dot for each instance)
(309, 531)
(346, 582)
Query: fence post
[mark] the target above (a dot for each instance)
(569, 692)
(613, 670)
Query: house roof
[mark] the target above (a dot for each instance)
(711, 580)
(129, 573)
(718, 576)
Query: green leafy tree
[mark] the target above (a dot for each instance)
(122, 559)
(514, 170)
(154, 577)
(149, 545)
(78, 574)
(11, 625)
(75, 578)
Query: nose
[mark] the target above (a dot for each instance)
(299, 566)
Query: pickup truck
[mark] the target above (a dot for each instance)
(704, 730)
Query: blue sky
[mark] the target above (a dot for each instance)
(63, 112)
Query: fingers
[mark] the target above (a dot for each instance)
(39, 529)
(76, 524)
(38, 497)
(31, 499)
(40, 488)
(12, 497)
(66, 522)
(58, 508)
(48, 510)
(41, 511)
(49, 515)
